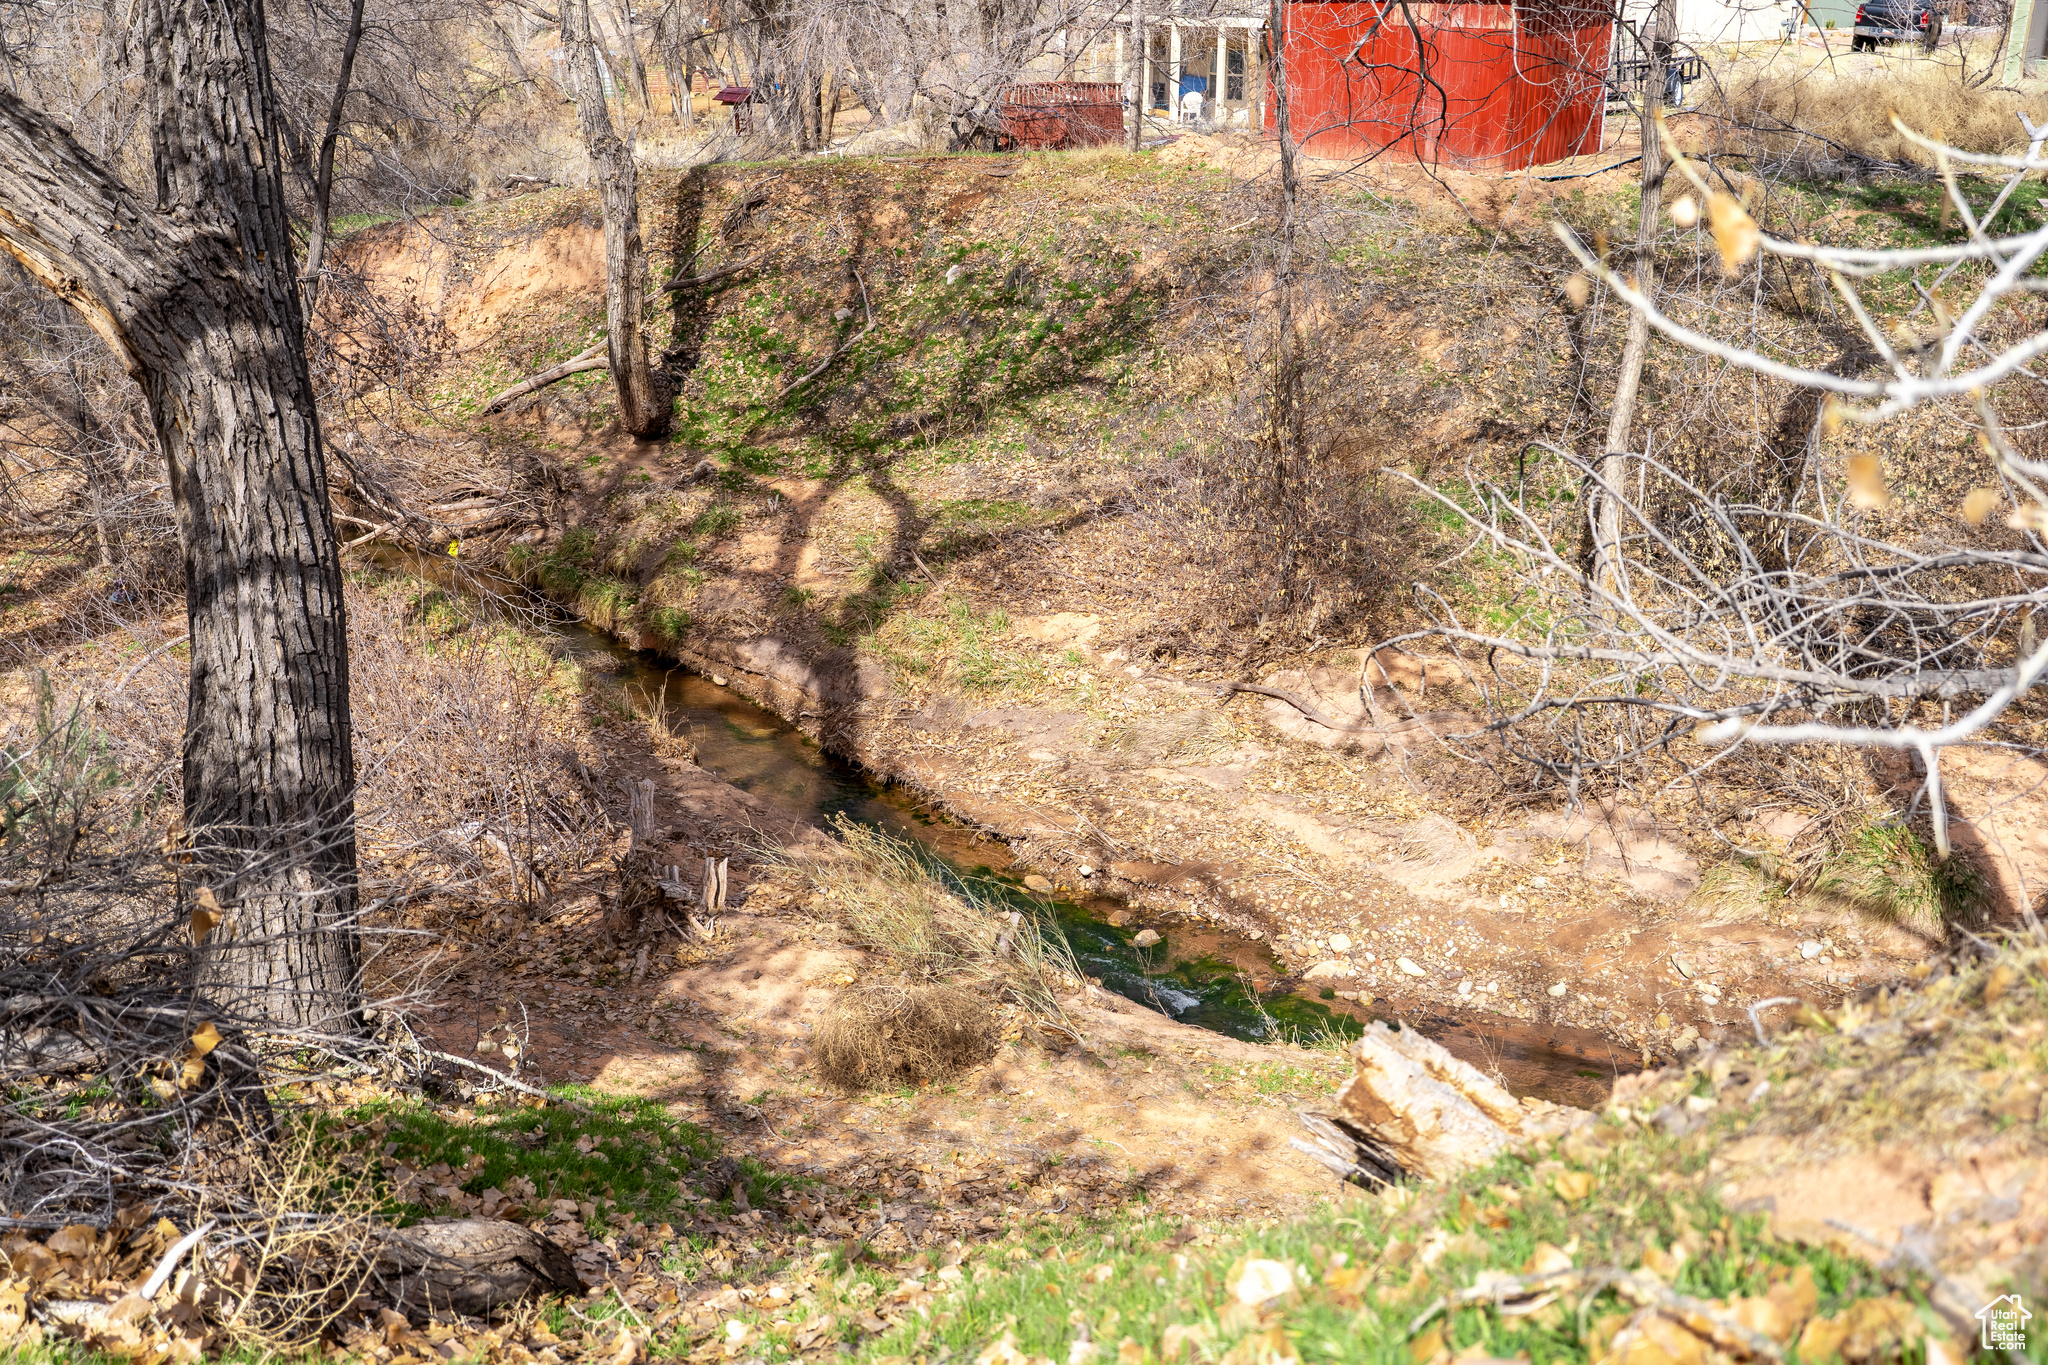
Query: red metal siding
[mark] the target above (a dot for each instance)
(1492, 86)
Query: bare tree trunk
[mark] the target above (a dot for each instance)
(1137, 74)
(635, 67)
(193, 289)
(644, 402)
(323, 178)
(1636, 344)
(1285, 436)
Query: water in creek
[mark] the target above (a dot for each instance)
(1199, 974)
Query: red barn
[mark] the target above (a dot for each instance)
(1485, 86)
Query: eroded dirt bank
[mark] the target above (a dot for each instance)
(941, 570)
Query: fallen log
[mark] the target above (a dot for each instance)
(1412, 1109)
(592, 359)
(470, 1266)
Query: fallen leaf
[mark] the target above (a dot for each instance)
(206, 913)
(1100, 1273)
(13, 1308)
(1546, 1260)
(1427, 1347)
(1572, 1186)
(1866, 484)
(1270, 1347)
(79, 1239)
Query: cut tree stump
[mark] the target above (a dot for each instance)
(470, 1266)
(1413, 1109)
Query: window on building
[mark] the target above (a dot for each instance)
(1233, 80)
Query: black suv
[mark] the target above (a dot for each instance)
(1894, 21)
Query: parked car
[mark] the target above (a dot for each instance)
(1894, 21)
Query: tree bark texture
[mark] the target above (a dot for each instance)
(1636, 344)
(197, 296)
(644, 400)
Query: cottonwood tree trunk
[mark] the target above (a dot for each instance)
(1285, 437)
(193, 289)
(1636, 344)
(644, 401)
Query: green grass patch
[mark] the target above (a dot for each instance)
(1889, 871)
(623, 1157)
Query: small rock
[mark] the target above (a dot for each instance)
(1146, 938)
(1539, 881)
(1347, 995)
(1810, 949)
(1408, 965)
(1043, 756)
(1684, 967)
(1559, 989)
(1085, 870)
(718, 680)
(1464, 988)
(1038, 884)
(1324, 970)
(1340, 943)
(1662, 1021)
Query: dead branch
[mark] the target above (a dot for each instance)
(712, 276)
(592, 359)
(1225, 689)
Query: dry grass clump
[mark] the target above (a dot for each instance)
(889, 1034)
(932, 928)
(1889, 872)
(1812, 123)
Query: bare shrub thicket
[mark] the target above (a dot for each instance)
(1818, 614)
(1284, 518)
(469, 796)
(132, 1070)
(82, 475)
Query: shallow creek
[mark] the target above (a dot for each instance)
(1199, 974)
